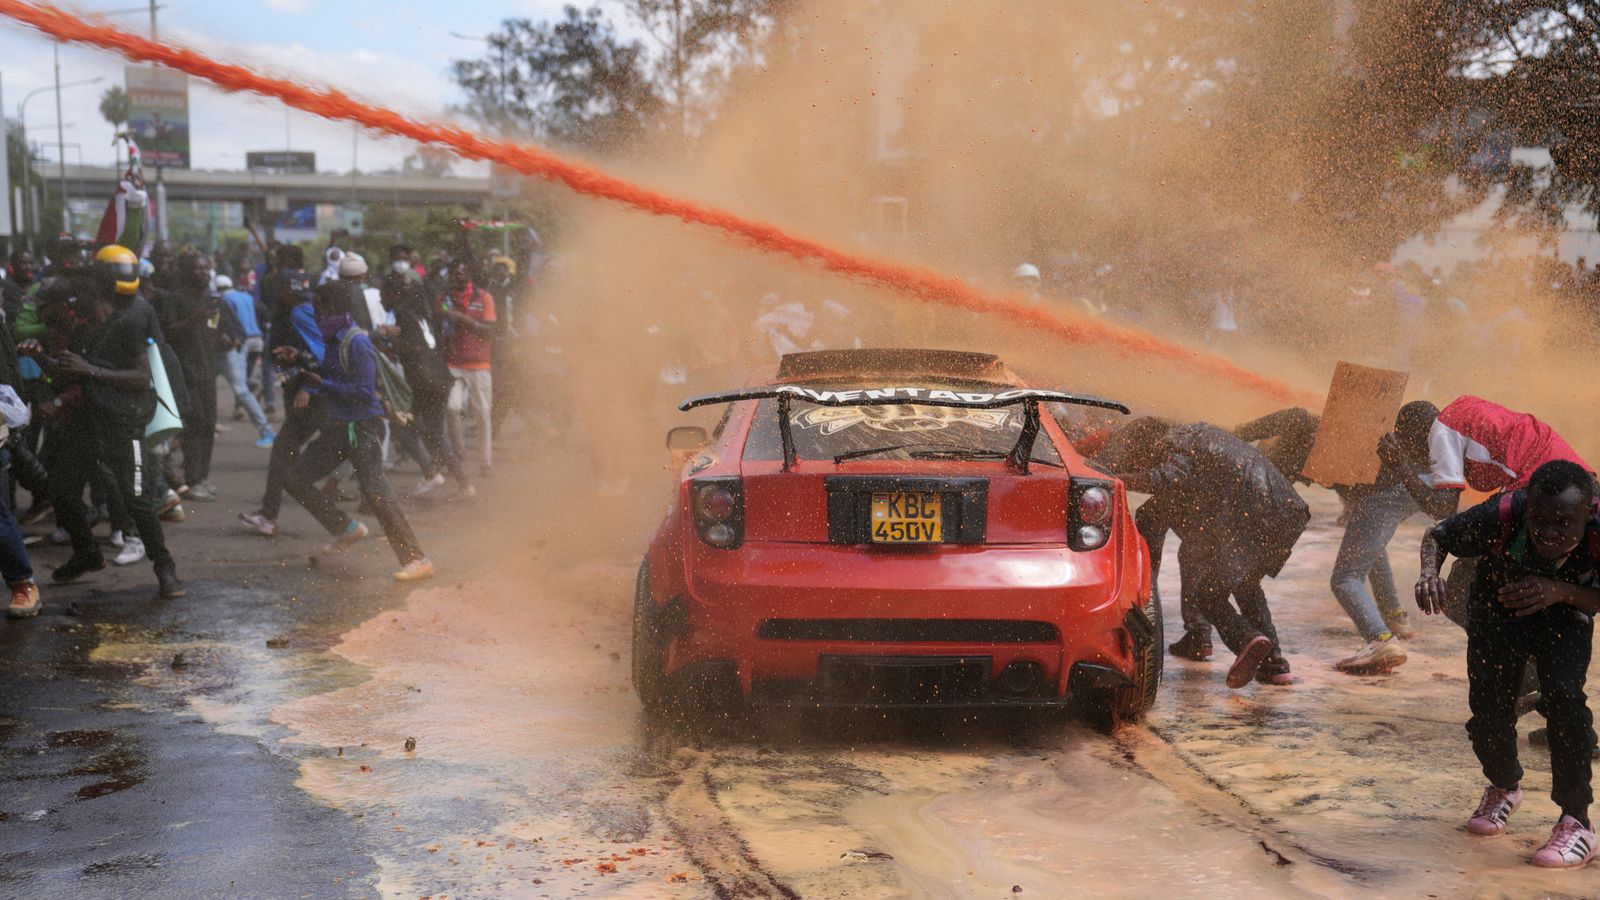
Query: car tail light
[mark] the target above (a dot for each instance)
(718, 507)
(1089, 514)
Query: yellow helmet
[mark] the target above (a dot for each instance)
(121, 264)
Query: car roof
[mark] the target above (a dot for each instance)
(828, 364)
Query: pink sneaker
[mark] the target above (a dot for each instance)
(1493, 811)
(1571, 845)
(1251, 656)
(260, 523)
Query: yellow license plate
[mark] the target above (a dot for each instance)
(907, 517)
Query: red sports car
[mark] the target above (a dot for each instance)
(877, 528)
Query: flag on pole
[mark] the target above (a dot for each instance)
(128, 208)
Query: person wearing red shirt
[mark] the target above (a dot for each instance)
(1470, 443)
(469, 352)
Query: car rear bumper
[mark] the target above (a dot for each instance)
(828, 625)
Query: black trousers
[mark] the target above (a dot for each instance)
(85, 444)
(430, 410)
(1151, 524)
(360, 443)
(1236, 626)
(299, 427)
(1499, 647)
(200, 428)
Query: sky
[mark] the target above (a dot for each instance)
(394, 53)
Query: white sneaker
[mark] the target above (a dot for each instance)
(116, 539)
(132, 552)
(1570, 845)
(1376, 658)
(426, 485)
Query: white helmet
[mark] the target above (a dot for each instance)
(1026, 270)
(222, 283)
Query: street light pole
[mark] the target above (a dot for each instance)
(61, 145)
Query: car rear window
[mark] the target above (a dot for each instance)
(824, 432)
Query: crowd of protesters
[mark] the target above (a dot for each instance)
(109, 366)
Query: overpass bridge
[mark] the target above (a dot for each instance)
(265, 196)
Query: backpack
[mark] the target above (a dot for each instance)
(391, 381)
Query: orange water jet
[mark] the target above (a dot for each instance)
(920, 283)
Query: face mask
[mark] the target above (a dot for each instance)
(400, 266)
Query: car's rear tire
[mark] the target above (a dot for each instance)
(1107, 709)
(649, 649)
(1135, 701)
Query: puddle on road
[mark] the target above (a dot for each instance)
(525, 730)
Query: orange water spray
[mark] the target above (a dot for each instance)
(920, 283)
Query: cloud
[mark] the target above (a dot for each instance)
(287, 6)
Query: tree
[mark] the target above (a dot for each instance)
(700, 42)
(570, 81)
(1528, 72)
(114, 109)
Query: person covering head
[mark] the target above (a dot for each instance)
(221, 283)
(120, 266)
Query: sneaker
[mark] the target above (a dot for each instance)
(1493, 810)
(168, 503)
(117, 539)
(203, 493)
(1527, 703)
(1255, 652)
(265, 441)
(1400, 626)
(416, 570)
(1571, 845)
(76, 568)
(1193, 645)
(37, 513)
(1275, 671)
(470, 492)
(354, 533)
(24, 600)
(59, 537)
(167, 580)
(1374, 658)
(260, 523)
(426, 485)
(175, 514)
(131, 553)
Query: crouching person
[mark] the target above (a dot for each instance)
(1238, 519)
(1536, 589)
(353, 431)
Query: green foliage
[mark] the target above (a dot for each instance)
(568, 81)
(114, 106)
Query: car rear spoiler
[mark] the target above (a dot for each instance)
(1028, 398)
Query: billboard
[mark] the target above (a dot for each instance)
(287, 162)
(158, 115)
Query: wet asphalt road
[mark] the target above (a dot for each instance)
(247, 741)
(112, 785)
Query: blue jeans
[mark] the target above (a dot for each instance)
(1364, 555)
(235, 368)
(14, 563)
